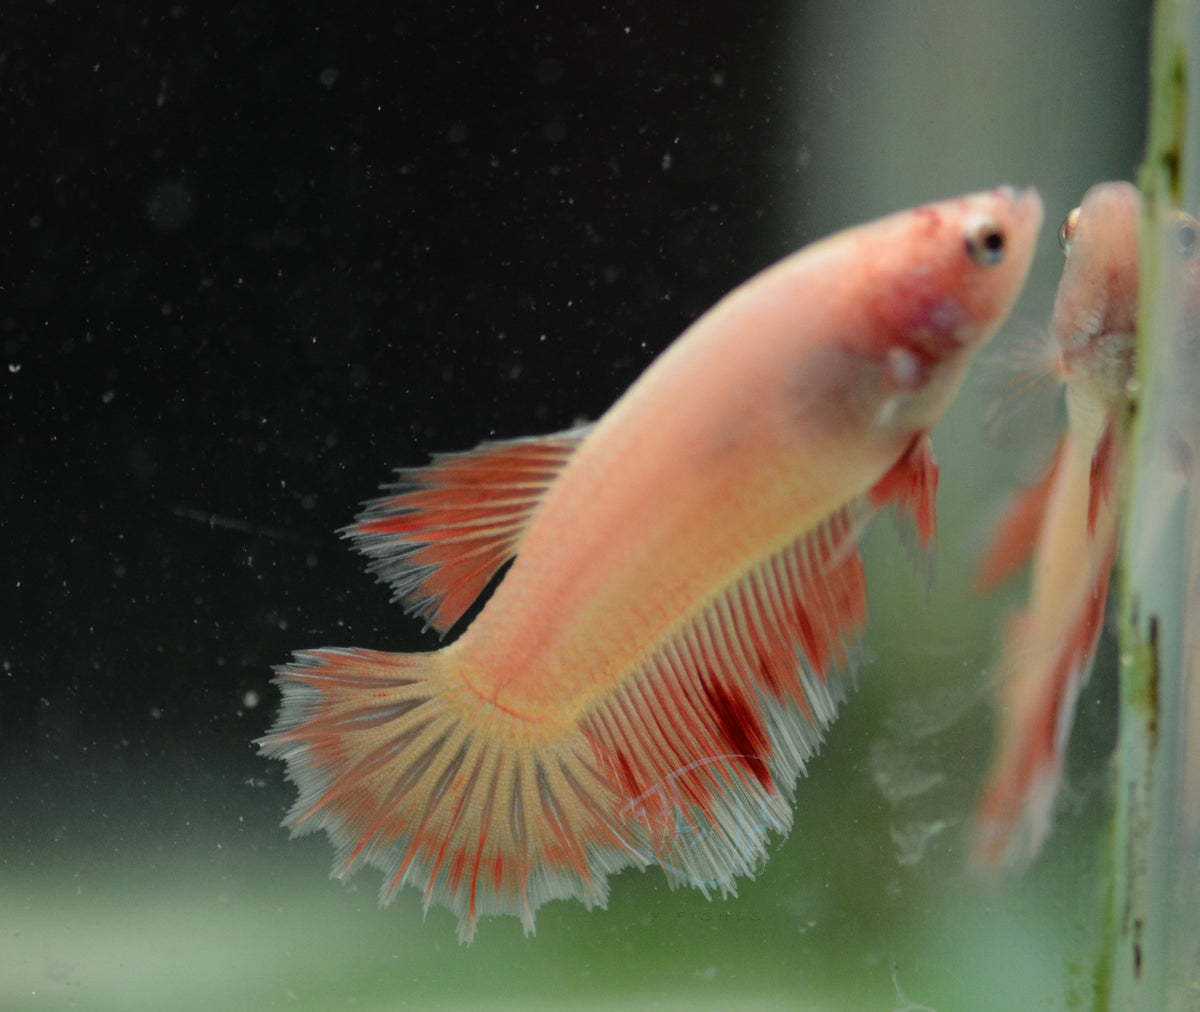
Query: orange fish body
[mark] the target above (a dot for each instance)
(653, 671)
(1068, 522)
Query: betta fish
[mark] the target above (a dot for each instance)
(677, 624)
(1067, 525)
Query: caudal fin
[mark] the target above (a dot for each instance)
(407, 769)
(1036, 710)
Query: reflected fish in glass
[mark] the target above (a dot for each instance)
(1066, 525)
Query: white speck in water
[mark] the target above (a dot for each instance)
(897, 772)
(250, 699)
(14, 367)
(913, 838)
(108, 396)
(666, 161)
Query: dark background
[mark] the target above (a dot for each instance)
(258, 256)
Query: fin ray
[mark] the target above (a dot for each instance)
(445, 529)
(707, 736)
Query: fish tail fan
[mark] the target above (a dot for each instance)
(1036, 708)
(408, 769)
(1013, 816)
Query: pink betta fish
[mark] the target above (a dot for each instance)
(1067, 523)
(675, 631)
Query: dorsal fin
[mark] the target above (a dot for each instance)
(1015, 537)
(444, 530)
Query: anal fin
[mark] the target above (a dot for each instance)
(707, 735)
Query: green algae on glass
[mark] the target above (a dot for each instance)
(1152, 937)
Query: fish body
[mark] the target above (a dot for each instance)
(674, 633)
(1067, 524)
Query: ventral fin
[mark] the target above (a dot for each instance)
(444, 530)
(911, 485)
(1014, 540)
(1103, 473)
(706, 736)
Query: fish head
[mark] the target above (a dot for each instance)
(1095, 310)
(944, 277)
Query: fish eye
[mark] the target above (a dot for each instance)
(1066, 231)
(1185, 238)
(984, 241)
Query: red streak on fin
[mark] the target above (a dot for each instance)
(708, 734)
(447, 528)
(1014, 813)
(410, 771)
(912, 485)
(743, 730)
(1102, 474)
(1016, 536)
